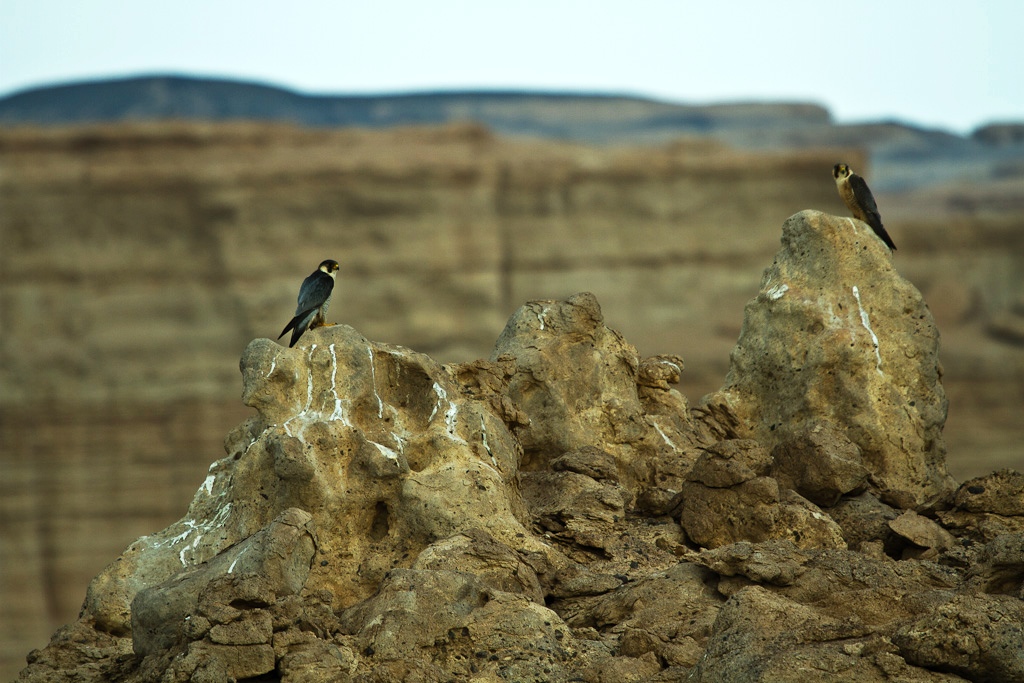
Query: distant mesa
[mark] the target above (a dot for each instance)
(582, 116)
(1000, 134)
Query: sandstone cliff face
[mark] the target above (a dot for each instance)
(557, 512)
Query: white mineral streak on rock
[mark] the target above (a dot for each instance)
(442, 395)
(541, 318)
(200, 529)
(388, 453)
(776, 292)
(672, 365)
(451, 415)
(231, 568)
(654, 423)
(339, 411)
(483, 438)
(373, 378)
(866, 322)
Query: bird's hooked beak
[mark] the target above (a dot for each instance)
(840, 171)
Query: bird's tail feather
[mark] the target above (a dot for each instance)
(289, 326)
(299, 325)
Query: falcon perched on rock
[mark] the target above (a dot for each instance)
(859, 200)
(314, 298)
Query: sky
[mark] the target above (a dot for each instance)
(940, 63)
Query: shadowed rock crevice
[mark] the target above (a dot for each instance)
(558, 512)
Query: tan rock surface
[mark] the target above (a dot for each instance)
(836, 335)
(577, 382)
(729, 497)
(976, 636)
(922, 532)
(822, 464)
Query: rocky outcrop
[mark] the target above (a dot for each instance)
(728, 497)
(557, 512)
(837, 337)
(578, 384)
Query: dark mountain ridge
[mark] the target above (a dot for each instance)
(903, 156)
(573, 115)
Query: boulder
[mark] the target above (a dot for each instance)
(865, 520)
(821, 465)
(761, 636)
(1000, 493)
(447, 623)
(923, 533)
(987, 507)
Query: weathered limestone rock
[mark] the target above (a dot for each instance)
(858, 586)
(646, 614)
(1000, 493)
(990, 507)
(304, 658)
(625, 669)
(761, 636)
(836, 335)
(271, 563)
(590, 462)
(494, 564)
(729, 498)
(999, 566)
(976, 636)
(864, 520)
(589, 512)
(375, 441)
(923, 533)
(578, 383)
(831, 615)
(773, 562)
(821, 465)
(482, 632)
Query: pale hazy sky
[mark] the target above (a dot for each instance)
(943, 63)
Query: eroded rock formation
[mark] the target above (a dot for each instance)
(837, 336)
(557, 512)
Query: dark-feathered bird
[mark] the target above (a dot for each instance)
(314, 298)
(860, 201)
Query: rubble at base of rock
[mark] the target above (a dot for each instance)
(558, 512)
